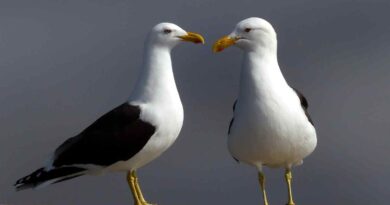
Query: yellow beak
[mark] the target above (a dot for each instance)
(223, 43)
(193, 37)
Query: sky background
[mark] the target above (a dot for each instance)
(64, 63)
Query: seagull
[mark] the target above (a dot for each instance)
(132, 134)
(270, 126)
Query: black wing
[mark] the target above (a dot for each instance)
(232, 120)
(231, 123)
(304, 104)
(116, 136)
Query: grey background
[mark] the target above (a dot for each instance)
(65, 63)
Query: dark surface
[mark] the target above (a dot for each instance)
(116, 136)
(64, 63)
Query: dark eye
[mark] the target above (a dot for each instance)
(247, 30)
(167, 31)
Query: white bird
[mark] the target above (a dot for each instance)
(132, 134)
(271, 126)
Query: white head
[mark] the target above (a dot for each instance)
(249, 34)
(169, 35)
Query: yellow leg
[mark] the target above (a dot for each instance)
(131, 182)
(288, 176)
(262, 185)
(138, 188)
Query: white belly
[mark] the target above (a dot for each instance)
(275, 136)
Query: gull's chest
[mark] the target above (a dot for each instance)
(267, 117)
(167, 117)
(270, 131)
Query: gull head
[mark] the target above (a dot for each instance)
(249, 34)
(169, 35)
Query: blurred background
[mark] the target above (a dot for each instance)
(64, 63)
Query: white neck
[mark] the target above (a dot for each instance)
(156, 82)
(260, 74)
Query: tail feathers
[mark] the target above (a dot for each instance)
(42, 177)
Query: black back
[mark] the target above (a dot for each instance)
(304, 104)
(232, 120)
(116, 136)
(231, 123)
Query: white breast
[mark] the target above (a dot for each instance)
(168, 119)
(273, 132)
